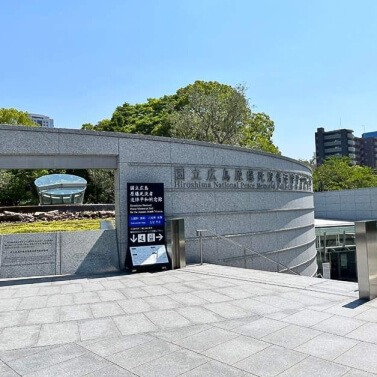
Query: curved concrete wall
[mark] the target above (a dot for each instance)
(271, 220)
(263, 201)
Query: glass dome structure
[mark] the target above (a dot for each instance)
(60, 189)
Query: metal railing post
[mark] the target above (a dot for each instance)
(200, 234)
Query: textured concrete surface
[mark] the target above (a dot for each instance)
(41, 254)
(199, 321)
(352, 205)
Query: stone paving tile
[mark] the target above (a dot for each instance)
(338, 325)
(306, 318)
(167, 319)
(212, 296)
(111, 371)
(106, 309)
(79, 366)
(162, 302)
(366, 333)
(234, 292)
(20, 353)
(327, 346)
(136, 305)
(45, 315)
(60, 300)
(227, 310)
(134, 324)
(14, 318)
(71, 288)
(315, 367)
(46, 358)
(255, 306)
(171, 365)
(236, 349)
(270, 361)
(260, 327)
(233, 323)
(291, 336)
(280, 315)
(196, 314)
(358, 373)
(46, 291)
(151, 281)
(110, 295)
(7, 293)
(92, 286)
(110, 346)
(156, 290)
(178, 333)
(280, 302)
(206, 339)
(305, 299)
(97, 328)
(75, 312)
(9, 304)
(214, 369)
(188, 299)
(8, 373)
(19, 337)
(86, 298)
(57, 333)
(112, 284)
(27, 292)
(179, 288)
(138, 355)
(132, 283)
(33, 303)
(134, 292)
(340, 308)
(368, 315)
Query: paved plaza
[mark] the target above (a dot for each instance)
(199, 321)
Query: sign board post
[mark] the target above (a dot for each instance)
(146, 226)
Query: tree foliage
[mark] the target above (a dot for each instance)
(15, 117)
(339, 174)
(207, 111)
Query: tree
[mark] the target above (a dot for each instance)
(213, 112)
(207, 111)
(15, 117)
(100, 187)
(258, 133)
(337, 173)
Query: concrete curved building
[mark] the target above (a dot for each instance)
(260, 200)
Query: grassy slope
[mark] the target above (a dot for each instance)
(50, 226)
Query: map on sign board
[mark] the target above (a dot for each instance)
(146, 255)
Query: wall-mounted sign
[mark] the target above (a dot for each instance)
(240, 178)
(146, 224)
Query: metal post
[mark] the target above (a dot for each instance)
(324, 247)
(366, 253)
(244, 258)
(344, 238)
(201, 247)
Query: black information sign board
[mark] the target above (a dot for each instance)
(146, 225)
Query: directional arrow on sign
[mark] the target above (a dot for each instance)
(133, 239)
(160, 236)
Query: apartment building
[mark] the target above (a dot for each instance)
(335, 143)
(42, 120)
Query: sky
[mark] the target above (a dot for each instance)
(307, 64)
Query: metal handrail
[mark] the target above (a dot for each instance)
(200, 232)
